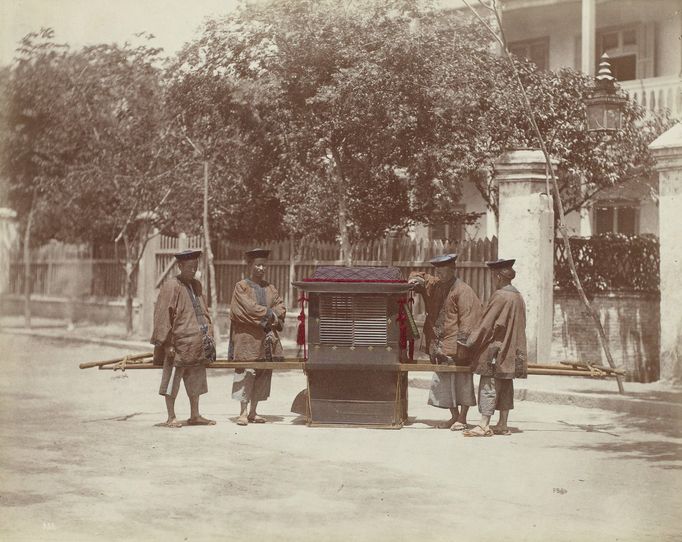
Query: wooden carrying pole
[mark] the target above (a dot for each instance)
(134, 357)
(287, 364)
(297, 363)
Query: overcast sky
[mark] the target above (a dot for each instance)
(85, 22)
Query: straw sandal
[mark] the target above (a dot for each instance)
(504, 431)
(459, 426)
(242, 420)
(478, 431)
(256, 419)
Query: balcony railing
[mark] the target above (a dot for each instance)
(657, 93)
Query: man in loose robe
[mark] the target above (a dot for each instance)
(257, 314)
(498, 347)
(181, 321)
(452, 311)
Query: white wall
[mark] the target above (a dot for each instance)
(573, 223)
(474, 203)
(648, 217)
(561, 23)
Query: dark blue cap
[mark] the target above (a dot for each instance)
(187, 254)
(443, 260)
(500, 264)
(256, 253)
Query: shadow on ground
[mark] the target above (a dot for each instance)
(622, 447)
(649, 395)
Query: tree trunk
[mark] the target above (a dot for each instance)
(343, 231)
(27, 262)
(337, 172)
(129, 268)
(130, 265)
(209, 258)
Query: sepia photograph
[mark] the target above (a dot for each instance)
(341, 270)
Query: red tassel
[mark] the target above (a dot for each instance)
(300, 336)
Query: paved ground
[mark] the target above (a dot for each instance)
(82, 460)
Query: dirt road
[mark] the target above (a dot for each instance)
(82, 460)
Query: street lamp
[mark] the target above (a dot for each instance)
(605, 107)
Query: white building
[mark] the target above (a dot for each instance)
(643, 38)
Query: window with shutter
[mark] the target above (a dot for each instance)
(535, 50)
(616, 217)
(353, 320)
(448, 231)
(631, 50)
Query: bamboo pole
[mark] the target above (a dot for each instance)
(567, 372)
(592, 365)
(134, 357)
(287, 364)
(577, 366)
(501, 39)
(298, 364)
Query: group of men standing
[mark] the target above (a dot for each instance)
(457, 330)
(491, 342)
(183, 337)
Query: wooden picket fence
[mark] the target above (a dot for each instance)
(290, 262)
(69, 270)
(80, 270)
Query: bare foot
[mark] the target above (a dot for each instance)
(242, 420)
(200, 420)
(448, 424)
(172, 423)
(501, 430)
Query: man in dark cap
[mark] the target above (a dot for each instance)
(498, 347)
(257, 313)
(452, 311)
(183, 338)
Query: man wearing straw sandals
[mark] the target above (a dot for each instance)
(257, 313)
(498, 346)
(183, 339)
(452, 311)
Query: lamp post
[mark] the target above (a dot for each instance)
(605, 107)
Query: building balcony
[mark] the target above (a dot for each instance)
(657, 93)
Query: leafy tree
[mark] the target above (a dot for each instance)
(127, 165)
(588, 163)
(363, 99)
(218, 122)
(35, 149)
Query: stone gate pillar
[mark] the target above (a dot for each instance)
(146, 286)
(667, 150)
(526, 233)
